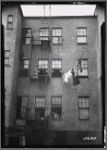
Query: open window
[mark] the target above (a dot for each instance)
(39, 107)
(56, 68)
(22, 107)
(56, 107)
(44, 36)
(24, 68)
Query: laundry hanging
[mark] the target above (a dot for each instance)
(71, 77)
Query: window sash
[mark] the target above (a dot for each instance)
(57, 32)
(26, 64)
(56, 64)
(84, 113)
(43, 64)
(81, 39)
(56, 101)
(82, 32)
(40, 102)
(83, 102)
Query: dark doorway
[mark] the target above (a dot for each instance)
(14, 141)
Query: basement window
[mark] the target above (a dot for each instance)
(83, 106)
(56, 107)
(82, 35)
(56, 68)
(10, 22)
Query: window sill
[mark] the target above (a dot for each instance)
(7, 65)
(56, 44)
(82, 43)
(9, 28)
(83, 77)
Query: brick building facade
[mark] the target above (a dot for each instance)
(42, 110)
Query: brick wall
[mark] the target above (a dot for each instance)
(69, 52)
(12, 43)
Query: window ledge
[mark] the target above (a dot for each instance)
(83, 77)
(82, 43)
(9, 29)
(7, 65)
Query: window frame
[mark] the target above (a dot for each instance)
(79, 28)
(54, 36)
(6, 58)
(43, 60)
(9, 22)
(57, 60)
(23, 72)
(85, 107)
(38, 96)
(87, 68)
(48, 37)
(60, 106)
(24, 37)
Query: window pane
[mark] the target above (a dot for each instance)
(10, 18)
(57, 40)
(83, 113)
(81, 39)
(10, 25)
(28, 40)
(43, 63)
(44, 38)
(40, 101)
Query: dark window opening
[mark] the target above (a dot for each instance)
(24, 68)
(56, 68)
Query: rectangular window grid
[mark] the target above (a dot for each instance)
(56, 64)
(43, 64)
(83, 105)
(7, 53)
(10, 22)
(81, 35)
(56, 100)
(83, 69)
(40, 102)
(44, 34)
(26, 64)
(57, 36)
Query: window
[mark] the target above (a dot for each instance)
(26, 32)
(56, 67)
(7, 53)
(10, 22)
(83, 105)
(57, 36)
(26, 64)
(22, 106)
(83, 68)
(81, 35)
(26, 35)
(40, 102)
(43, 64)
(56, 107)
(44, 34)
(24, 68)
